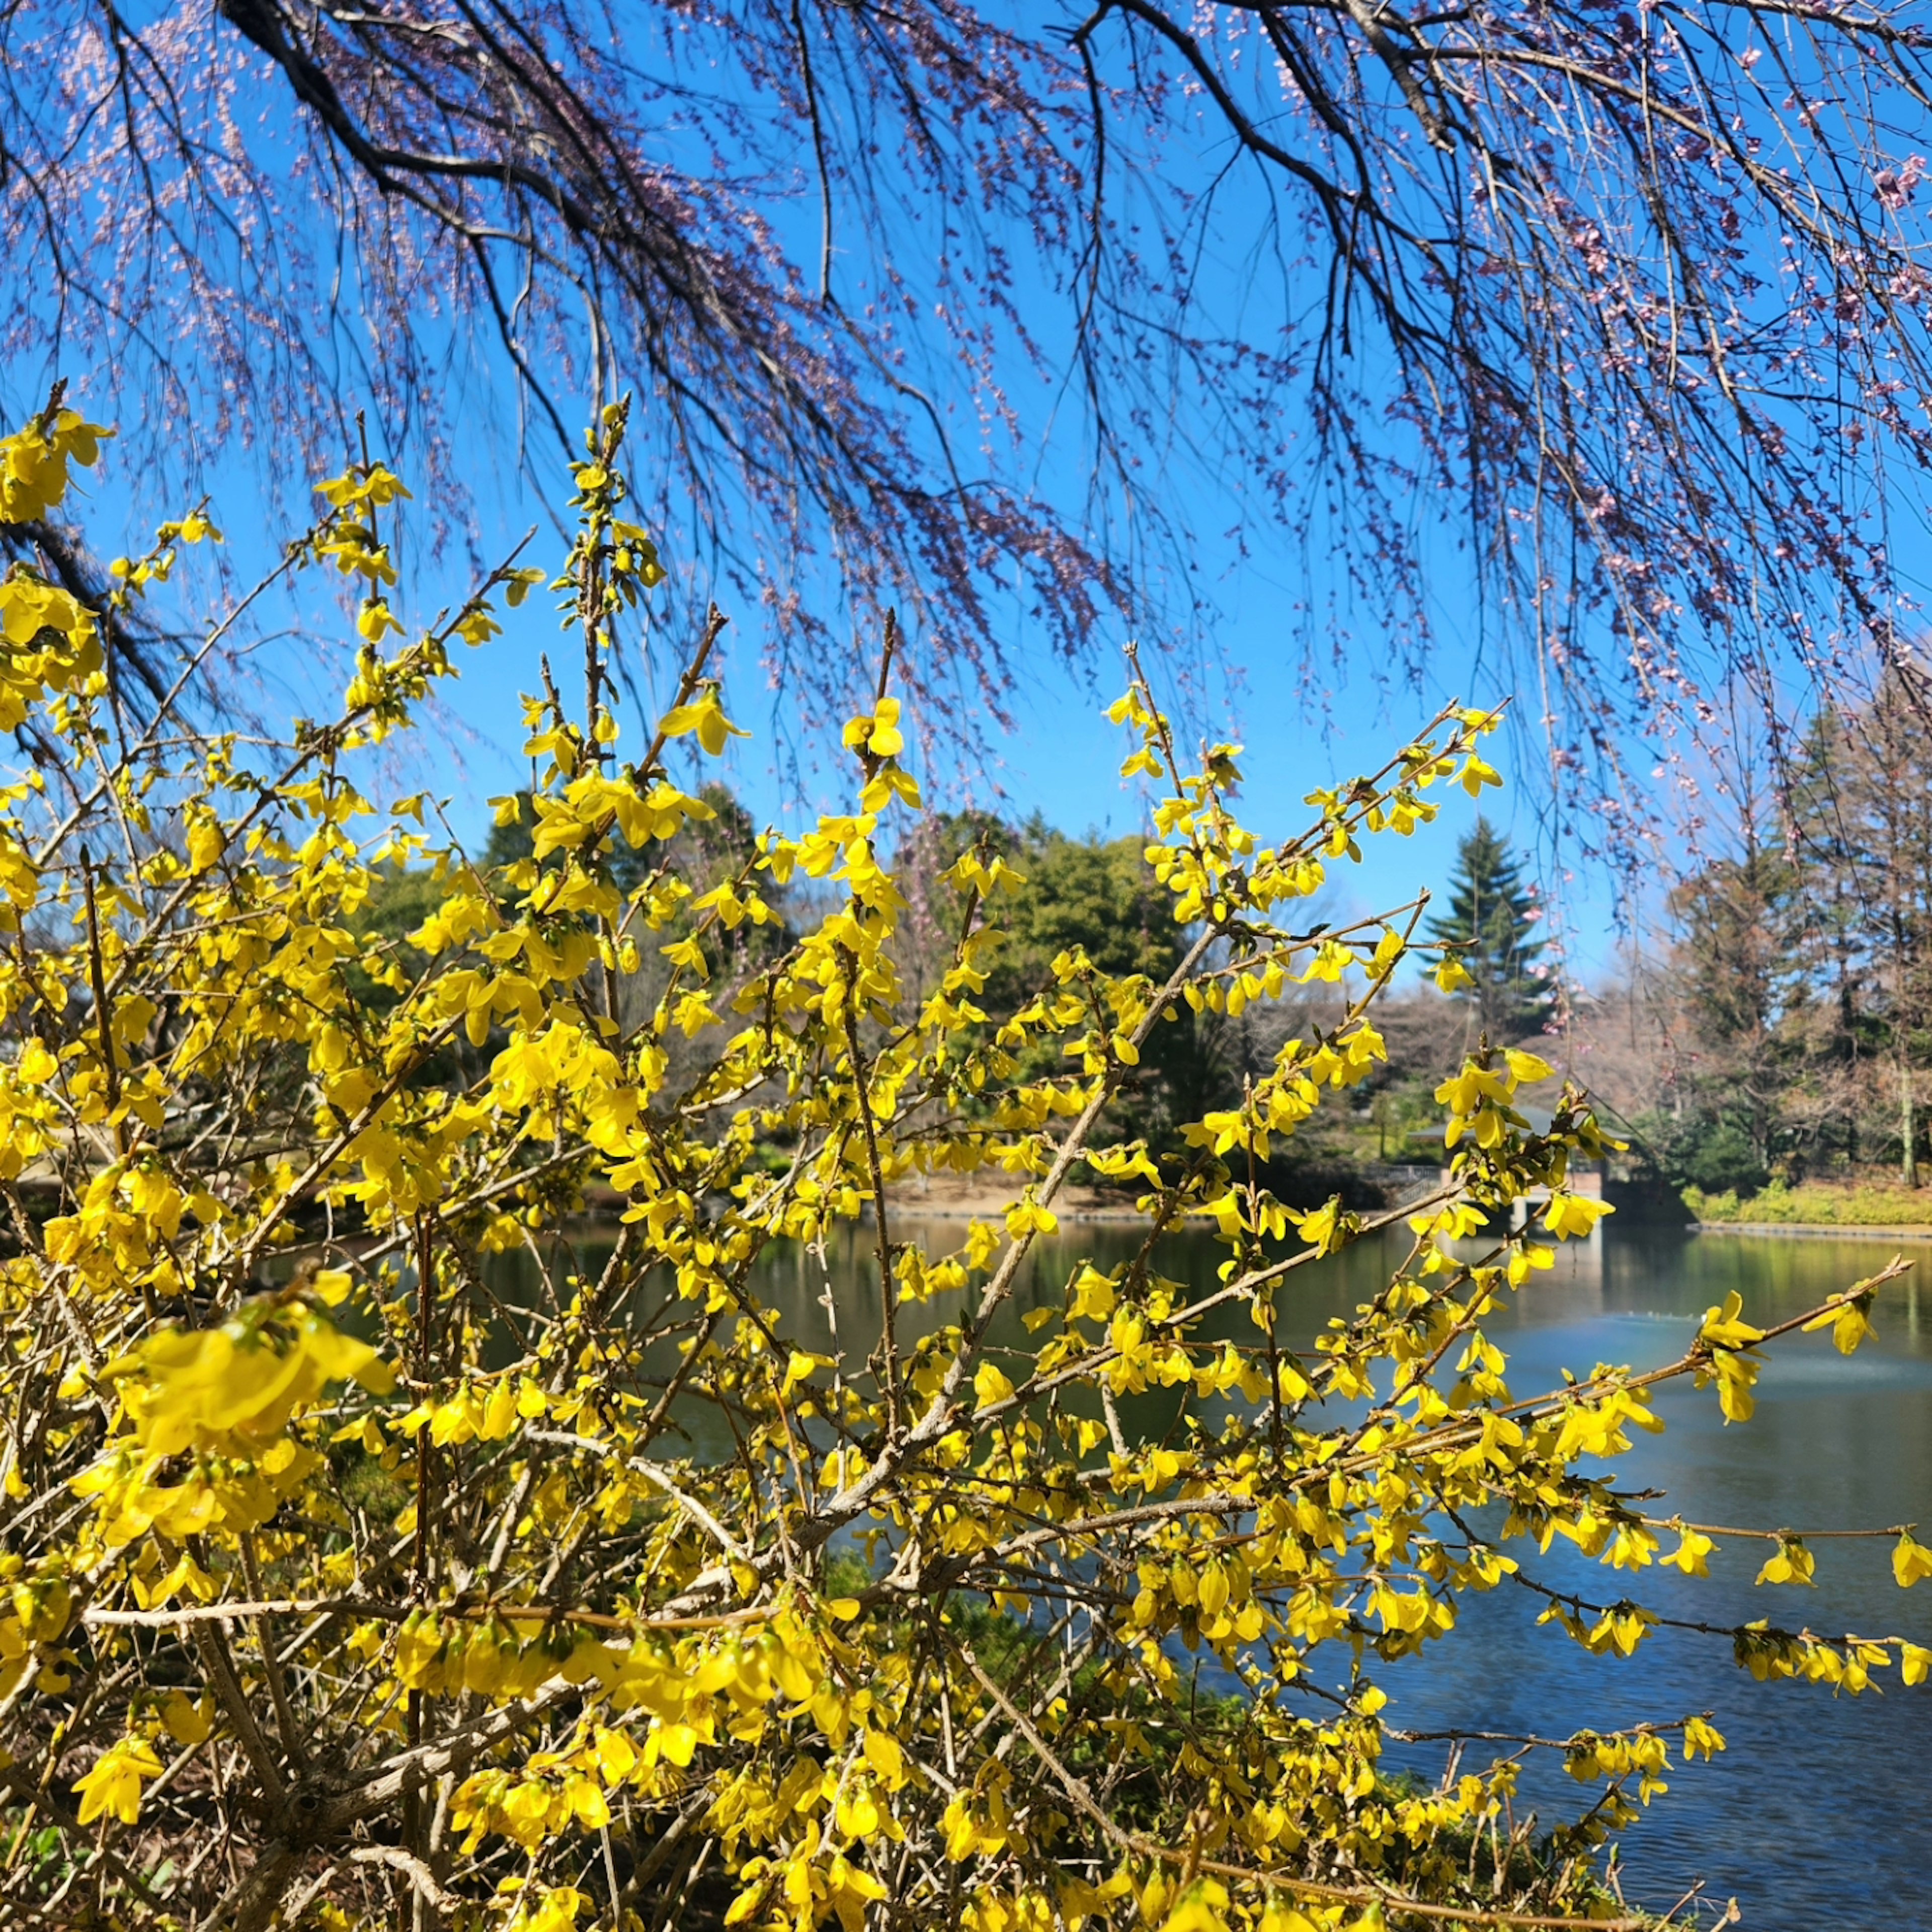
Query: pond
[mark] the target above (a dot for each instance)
(1814, 1819)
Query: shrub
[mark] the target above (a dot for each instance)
(348, 1588)
(1724, 1158)
(1709, 1153)
(1816, 1203)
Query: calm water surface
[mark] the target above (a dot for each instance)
(1817, 1817)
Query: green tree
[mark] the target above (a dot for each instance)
(1875, 836)
(1101, 895)
(1491, 921)
(1802, 974)
(1827, 937)
(1089, 896)
(1734, 971)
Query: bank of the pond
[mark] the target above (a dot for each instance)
(987, 1195)
(1884, 1210)
(1827, 1231)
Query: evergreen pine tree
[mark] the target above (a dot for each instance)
(1490, 921)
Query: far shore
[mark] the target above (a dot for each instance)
(963, 1197)
(1839, 1230)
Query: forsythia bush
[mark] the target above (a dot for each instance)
(346, 1587)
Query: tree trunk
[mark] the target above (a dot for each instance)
(1908, 1127)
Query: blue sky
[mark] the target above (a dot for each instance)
(1248, 681)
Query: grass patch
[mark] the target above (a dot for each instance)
(1818, 1203)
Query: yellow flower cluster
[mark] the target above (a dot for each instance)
(420, 1502)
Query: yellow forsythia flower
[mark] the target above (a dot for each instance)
(880, 732)
(1573, 1214)
(991, 1385)
(706, 716)
(1910, 1561)
(114, 1785)
(188, 1723)
(236, 1386)
(1793, 1564)
(1028, 1217)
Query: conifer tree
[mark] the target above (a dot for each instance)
(1490, 920)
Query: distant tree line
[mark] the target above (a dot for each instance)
(1791, 1015)
(1098, 894)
